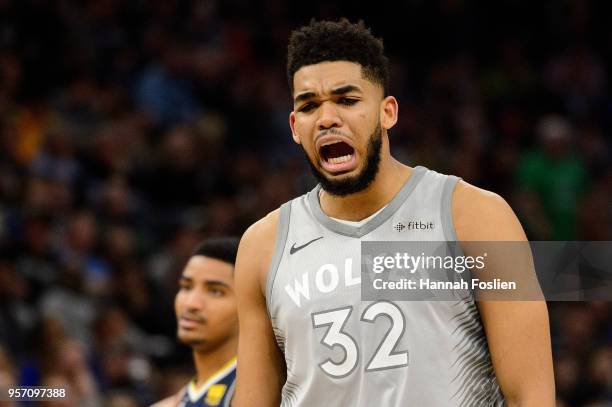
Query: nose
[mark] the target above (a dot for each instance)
(194, 300)
(329, 116)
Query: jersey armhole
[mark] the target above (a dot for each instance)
(230, 394)
(279, 248)
(448, 226)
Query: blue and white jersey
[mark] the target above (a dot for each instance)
(215, 392)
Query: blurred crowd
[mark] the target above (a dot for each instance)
(130, 130)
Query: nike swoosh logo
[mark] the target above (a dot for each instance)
(295, 248)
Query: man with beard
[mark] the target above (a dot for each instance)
(306, 336)
(205, 307)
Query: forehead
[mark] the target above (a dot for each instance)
(202, 268)
(324, 76)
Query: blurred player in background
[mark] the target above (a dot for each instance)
(306, 338)
(207, 318)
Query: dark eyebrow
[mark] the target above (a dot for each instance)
(345, 89)
(303, 96)
(185, 279)
(338, 91)
(216, 282)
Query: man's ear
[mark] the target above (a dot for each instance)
(388, 112)
(294, 135)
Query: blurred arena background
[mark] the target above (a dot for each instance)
(129, 130)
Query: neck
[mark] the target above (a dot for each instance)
(391, 176)
(208, 362)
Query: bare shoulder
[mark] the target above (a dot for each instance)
(479, 214)
(171, 401)
(257, 246)
(264, 228)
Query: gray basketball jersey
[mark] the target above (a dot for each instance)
(341, 351)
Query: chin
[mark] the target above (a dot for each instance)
(341, 181)
(341, 176)
(191, 339)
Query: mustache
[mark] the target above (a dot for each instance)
(193, 316)
(325, 132)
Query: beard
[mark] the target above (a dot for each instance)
(191, 340)
(356, 183)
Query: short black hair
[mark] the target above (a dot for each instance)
(341, 40)
(221, 248)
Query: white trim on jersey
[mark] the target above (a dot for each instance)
(194, 394)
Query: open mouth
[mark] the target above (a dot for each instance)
(336, 152)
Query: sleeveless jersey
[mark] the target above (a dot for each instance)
(339, 350)
(217, 391)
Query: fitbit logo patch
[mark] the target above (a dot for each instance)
(413, 225)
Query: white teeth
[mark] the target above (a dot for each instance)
(340, 160)
(329, 143)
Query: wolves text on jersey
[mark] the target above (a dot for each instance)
(326, 280)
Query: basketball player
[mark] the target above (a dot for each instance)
(304, 344)
(205, 307)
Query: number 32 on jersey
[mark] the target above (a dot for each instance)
(385, 357)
